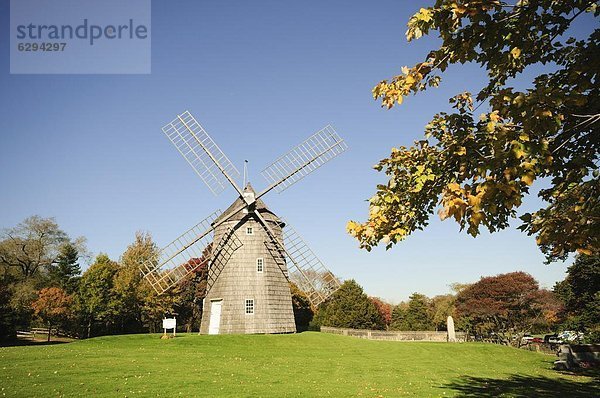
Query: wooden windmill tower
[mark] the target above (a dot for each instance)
(251, 253)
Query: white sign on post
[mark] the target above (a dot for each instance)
(169, 323)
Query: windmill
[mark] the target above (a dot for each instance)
(251, 254)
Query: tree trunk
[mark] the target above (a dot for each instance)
(89, 328)
(49, 330)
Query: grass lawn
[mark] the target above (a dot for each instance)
(299, 365)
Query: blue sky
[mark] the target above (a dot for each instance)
(260, 76)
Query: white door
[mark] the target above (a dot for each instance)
(215, 317)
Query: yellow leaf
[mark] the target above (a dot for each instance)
(461, 151)
(453, 186)
(528, 178)
(490, 127)
(494, 117)
(519, 152)
(424, 15)
(474, 200)
(476, 218)
(351, 226)
(524, 137)
(516, 52)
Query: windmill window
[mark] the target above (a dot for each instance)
(249, 231)
(260, 263)
(249, 306)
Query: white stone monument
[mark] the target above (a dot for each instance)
(450, 328)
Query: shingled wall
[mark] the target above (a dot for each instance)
(239, 280)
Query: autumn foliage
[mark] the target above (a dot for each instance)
(384, 309)
(53, 306)
(477, 167)
(506, 305)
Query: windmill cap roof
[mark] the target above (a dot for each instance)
(258, 205)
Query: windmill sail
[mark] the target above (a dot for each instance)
(180, 257)
(221, 254)
(306, 270)
(201, 152)
(302, 267)
(303, 159)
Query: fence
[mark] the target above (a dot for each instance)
(394, 335)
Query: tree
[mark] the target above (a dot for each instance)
(399, 317)
(442, 306)
(479, 168)
(65, 272)
(384, 309)
(349, 307)
(96, 298)
(22, 295)
(413, 315)
(505, 305)
(417, 313)
(53, 307)
(36, 244)
(8, 324)
(191, 293)
(303, 310)
(138, 304)
(31, 245)
(580, 293)
(551, 308)
(128, 284)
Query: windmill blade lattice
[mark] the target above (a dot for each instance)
(201, 152)
(306, 270)
(303, 159)
(221, 253)
(181, 257)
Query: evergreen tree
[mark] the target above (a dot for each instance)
(399, 317)
(417, 314)
(349, 307)
(414, 315)
(66, 271)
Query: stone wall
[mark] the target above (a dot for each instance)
(394, 335)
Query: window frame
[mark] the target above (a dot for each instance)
(249, 305)
(249, 230)
(260, 267)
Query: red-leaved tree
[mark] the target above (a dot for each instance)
(384, 309)
(505, 305)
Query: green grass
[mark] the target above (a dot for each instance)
(306, 364)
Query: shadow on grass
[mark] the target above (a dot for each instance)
(523, 387)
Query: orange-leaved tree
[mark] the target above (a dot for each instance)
(53, 307)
